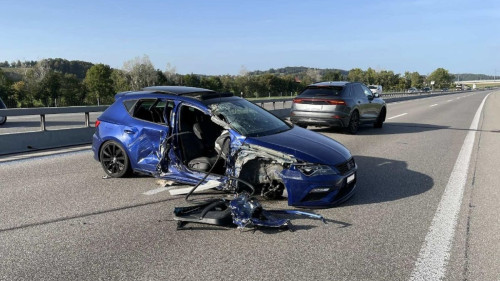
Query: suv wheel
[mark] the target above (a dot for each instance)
(353, 125)
(302, 125)
(380, 119)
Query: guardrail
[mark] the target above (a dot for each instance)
(42, 111)
(44, 139)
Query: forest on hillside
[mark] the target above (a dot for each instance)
(61, 82)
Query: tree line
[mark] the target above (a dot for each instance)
(59, 82)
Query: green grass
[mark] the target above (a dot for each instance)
(484, 85)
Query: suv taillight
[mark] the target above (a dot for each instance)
(97, 122)
(336, 102)
(332, 102)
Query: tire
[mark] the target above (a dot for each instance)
(353, 126)
(3, 119)
(114, 160)
(302, 125)
(380, 119)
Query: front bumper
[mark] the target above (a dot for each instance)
(299, 189)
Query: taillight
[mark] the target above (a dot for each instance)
(97, 122)
(316, 101)
(336, 102)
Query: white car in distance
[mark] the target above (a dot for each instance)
(376, 89)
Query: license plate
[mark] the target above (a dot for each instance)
(350, 178)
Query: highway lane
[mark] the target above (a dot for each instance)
(61, 220)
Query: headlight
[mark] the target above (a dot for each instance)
(311, 170)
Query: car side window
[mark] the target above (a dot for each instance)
(129, 105)
(358, 91)
(347, 91)
(150, 110)
(366, 91)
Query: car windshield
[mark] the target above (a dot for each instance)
(248, 119)
(315, 91)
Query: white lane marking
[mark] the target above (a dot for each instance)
(396, 116)
(434, 105)
(208, 185)
(157, 190)
(435, 252)
(449, 100)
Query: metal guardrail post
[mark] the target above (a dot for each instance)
(87, 119)
(42, 122)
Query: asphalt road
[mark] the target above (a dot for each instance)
(60, 220)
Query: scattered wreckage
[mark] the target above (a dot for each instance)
(243, 211)
(196, 136)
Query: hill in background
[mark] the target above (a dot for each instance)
(79, 69)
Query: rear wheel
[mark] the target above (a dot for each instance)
(114, 160)
(353, 126)
(3, 119)
(302, 125)
(380, 119)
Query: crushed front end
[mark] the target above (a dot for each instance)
(274, 174)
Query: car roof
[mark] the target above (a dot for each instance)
(191, 92)
(331, 83)
(177, 90)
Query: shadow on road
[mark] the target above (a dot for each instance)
(387, 129)
(382, 180)
(394, 128)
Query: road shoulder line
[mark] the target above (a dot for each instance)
(435, 252)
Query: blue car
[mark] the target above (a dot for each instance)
(192, 135)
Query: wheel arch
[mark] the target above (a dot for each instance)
(108, 139)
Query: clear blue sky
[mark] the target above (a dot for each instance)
(219, 37)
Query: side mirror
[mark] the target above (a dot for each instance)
(370, 97)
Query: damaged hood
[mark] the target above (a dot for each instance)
(305, 145)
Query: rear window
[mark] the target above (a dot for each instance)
(331, 91)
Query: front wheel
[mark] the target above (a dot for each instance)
(3, 119)
(301, 125)
(380, 119)
(353, 126)
(114, 159)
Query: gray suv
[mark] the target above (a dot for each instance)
(338, 104)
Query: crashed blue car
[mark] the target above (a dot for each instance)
(189, 135)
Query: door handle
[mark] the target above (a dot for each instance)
(130, 132)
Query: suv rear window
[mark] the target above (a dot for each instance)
(330, 91)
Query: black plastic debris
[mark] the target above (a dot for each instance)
(243, 212)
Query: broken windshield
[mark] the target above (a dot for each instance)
(248, 119)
